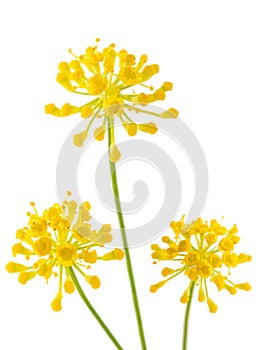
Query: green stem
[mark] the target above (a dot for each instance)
(186, 319)
(91, 308)
(124, 237)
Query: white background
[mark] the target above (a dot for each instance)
(213, 52)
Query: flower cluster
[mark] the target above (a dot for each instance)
(56, 243)
(204, 250)
(107, 75)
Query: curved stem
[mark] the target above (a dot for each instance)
(91, 308)
(186, 319)
(124, 237)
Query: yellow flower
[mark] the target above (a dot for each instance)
(58, 239)
(66, 254)
(111, 77)
(202, 251)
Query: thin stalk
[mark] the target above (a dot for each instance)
(91, 308)
(124, 237)
(186, 319)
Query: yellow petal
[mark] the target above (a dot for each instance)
(90, 257)
(116, 254)
(71, 206)
(185, 297)
(171, 113)
(68, 109)
(69, 286)
(159, 94)
(167, 86)
(114, 154)
(155, 287)
(150, 128)
(244, 286)
(63, 79)
(24, 277)
(56, 304)
(201, 296)
(103, 235)
(12, 267)
(212, 306)
(167, 271)
(80, 138)
(149, 71)
(52, 109)
(94, 281)
(86, 111)
(131, 128)
(18, 248)
(64, 67)
(99, 133)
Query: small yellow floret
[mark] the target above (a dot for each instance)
(201, 295)
(131, 128)
(116, 254)
(214, 260)
(66, 254)
(219, 281)
(230, 289)
(42, 246)
(170, 113)
(167, 271)
(52, 109)
(12, 267)
(90, 257)
(192, 259)
(18, 248)
(156, 286)
(211, 238)
(63, 79)
(80, 138)
(150, 128)
(63, 66)
(185, 297)
(192, 273)
(56, 304)
(244, 286)
(143, 99)
(69, 286)
(167, 86)
(96, 84)
(68, 109)
(226, 244)
(94, 281)
(99, 133)
(184, 245)
(242, 258)
(149, 71)
(212, 306)
(45, 270)
(86, 111)
(230, 259)
(159, 94)
(115, 154)
(24, 277)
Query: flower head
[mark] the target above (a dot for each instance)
(203, 251)
(109, 78)
(59, 238)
